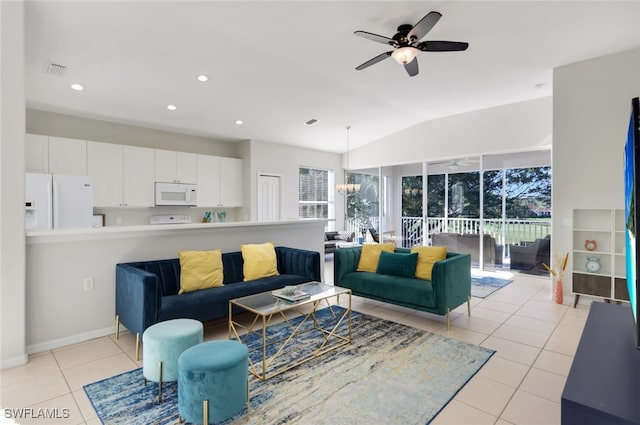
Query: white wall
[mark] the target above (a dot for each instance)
(508, 128)
(591, 109)
(258, 156)
(61, 125)
(12, 249)
(60, 312)
(285, 161)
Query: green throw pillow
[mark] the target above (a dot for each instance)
(395, 264)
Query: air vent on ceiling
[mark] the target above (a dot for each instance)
(312, 121)
(55, 69)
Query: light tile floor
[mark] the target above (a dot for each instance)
(535, 341)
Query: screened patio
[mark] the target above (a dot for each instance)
(505, 200)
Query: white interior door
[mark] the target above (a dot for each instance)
(268, 197)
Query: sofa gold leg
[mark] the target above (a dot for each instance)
(137, 346)
(448, 321)
(117, 327)
(469, 306)
(205, 412)
(160, 382)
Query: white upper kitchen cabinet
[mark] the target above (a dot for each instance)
(139, 177)
(219, 181)
(67, 156)
(36, 153)
(175, 167)
(105, 167)
(231, 188)
(123, 176)
(208, 180)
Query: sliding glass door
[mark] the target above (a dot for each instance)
(478, 205)
(363, 207)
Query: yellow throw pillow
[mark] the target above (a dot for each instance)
(427, 256)
(259, 261)
(370, 255)
(200, 270)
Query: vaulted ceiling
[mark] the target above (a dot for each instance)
(275, 65)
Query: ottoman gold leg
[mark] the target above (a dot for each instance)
(117, 327)
(160, 383)
(205, 412)
(137, 346)
(448, 321)
(469, 306)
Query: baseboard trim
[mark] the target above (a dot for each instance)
(73, 339)
(14, 361)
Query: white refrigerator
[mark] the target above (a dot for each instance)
(56, 201)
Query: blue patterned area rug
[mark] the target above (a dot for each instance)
(390, 373)
(483, 286)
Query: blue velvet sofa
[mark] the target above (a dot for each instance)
(450, 284)
(147, 291)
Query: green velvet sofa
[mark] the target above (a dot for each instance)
(450, 285)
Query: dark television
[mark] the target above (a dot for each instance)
(631, 186)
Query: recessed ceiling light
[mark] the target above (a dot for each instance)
(172, 107)
(312, 121)
(77, 87)
(203, 78)
(540, 85)
(239, 122)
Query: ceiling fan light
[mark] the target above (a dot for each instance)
(404, 55)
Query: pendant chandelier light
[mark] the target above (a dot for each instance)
(347, 189)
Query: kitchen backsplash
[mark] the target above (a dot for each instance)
(140, 216)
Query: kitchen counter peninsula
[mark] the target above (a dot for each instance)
(114, 232)
(70, 273)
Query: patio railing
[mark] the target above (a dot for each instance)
(505, 232)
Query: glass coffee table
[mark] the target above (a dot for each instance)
(294, 341)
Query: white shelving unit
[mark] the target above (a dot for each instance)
(605, 227)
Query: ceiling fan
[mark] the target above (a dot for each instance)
(454, 164)
(407, 44)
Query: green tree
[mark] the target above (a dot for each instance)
(492, 186)
(435, 195)
(412, 196)
(528, 192)
(464, 195)
(364, 204)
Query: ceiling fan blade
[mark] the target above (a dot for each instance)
(412, 67)
(442, 46)
(374, 61)
(375, 37)
(425, 24)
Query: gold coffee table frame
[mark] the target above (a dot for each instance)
(265, 306)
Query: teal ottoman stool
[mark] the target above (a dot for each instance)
(213, 381)
(162, 344)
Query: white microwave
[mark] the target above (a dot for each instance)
(176, 194)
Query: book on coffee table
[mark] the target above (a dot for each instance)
(297, 295)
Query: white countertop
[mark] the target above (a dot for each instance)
(116, 232)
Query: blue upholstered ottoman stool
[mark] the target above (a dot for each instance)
(162, 344)
(213, 381)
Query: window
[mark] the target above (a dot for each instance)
(363, 206)
(315, 199)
